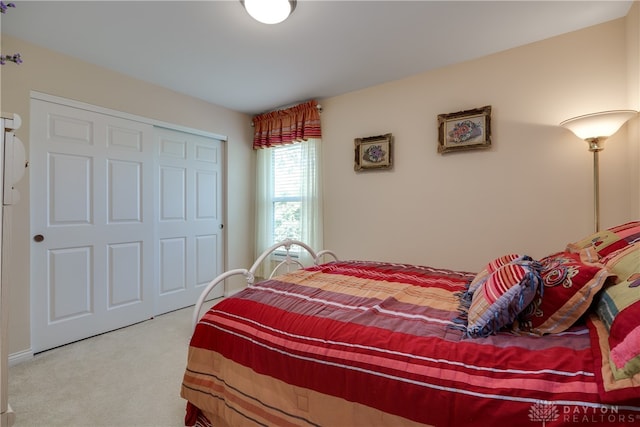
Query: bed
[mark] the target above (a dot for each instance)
(547, 342)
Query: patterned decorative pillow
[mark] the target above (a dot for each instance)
(499, 299)
(611, 387)
(570, 282)
(619, 309)
(625, 349)
(609, 240)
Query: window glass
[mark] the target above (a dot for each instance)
(287, 191)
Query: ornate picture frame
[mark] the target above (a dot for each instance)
(373, 152)
(464, 130)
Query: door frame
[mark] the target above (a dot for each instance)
(107, 111)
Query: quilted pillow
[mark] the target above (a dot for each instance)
(612, 390)
(609, 240)
(499, 299)
(619, 309)
(570, 283)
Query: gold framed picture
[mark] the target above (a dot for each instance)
(464, 130)
(373, 152)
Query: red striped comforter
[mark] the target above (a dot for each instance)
(367, 343)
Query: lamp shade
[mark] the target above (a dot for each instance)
(598, 125)
(269, 11)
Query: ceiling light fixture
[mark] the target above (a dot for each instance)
(595, 128)
(269, 11)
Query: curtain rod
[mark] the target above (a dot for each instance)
(284, 107)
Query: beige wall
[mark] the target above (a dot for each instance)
(633, 65)
(531, 192)
(55, 74)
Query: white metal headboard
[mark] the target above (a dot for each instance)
(249, 274)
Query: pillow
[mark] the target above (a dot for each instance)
(611, 388)
(625, 350)
(499, 299)
(609, 240)
(492, 266)
(570, 283)
(619, 309)
(466, 296)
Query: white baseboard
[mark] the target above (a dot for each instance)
(21, 356)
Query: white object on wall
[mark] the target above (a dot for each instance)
(12, 165)
(14, 160)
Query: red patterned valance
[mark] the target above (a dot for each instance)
(286, 126)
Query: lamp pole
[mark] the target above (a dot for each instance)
(596, 190)
(596, 145)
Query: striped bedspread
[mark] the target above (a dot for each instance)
(361, 343)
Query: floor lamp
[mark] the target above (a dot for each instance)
(595, 128)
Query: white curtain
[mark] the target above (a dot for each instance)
(312, 220)
(264, 207)
(311, 208)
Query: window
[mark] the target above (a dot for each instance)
(289, 203)
(287, 192)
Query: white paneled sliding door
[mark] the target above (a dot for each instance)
(189, 215)
(125, 220)
(92, 223)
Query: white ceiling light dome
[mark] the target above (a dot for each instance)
(269, 11)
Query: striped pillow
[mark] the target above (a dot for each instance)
(500, 298)
(492, 266)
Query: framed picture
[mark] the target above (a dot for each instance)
(464, 130)
(374, 152)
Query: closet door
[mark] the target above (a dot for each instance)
(189, 235)
(126, 220)
(92, 224)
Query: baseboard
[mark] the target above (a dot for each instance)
(21, 356)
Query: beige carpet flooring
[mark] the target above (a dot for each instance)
(129, 377)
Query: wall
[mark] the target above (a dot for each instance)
(55, 74)
(530, 193)
(633, 73)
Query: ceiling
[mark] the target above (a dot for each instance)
(214, 51)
